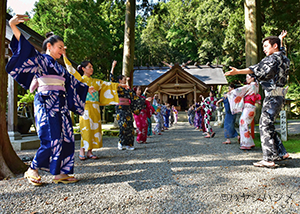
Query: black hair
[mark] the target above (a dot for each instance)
(120, 77)
(52, 39)
(213, 93)
(273, 40)
(83, 65)
(231, 85)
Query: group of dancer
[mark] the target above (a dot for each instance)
(271, 72)
(165, 115)
(62, 89)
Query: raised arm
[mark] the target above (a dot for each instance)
(113, 66)
(14, 21)
(235, 71)
(281, 37)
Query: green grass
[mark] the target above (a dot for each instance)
(292, 145)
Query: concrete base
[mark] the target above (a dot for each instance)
(14, 135)
(31, 142)
(26, 143)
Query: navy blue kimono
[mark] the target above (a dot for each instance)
(51, 108)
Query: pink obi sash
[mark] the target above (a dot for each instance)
(48, 83)
(124, 101)
(252, 99)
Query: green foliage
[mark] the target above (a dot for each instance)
(92, 30)
(26, 98)
(292, 145)
(174, 31)
(294, 94)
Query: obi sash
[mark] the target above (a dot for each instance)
(124, 101)
(278, 91)
(48, 83)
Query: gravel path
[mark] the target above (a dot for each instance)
(178, 172)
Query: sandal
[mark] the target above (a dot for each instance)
(245, 148)
(35, 181)
(213, 134)
(207, 136)
(65, 180)
(93, 157)
(82, 157)
(264, 163)
(227, 142)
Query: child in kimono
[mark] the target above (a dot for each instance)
(209, 105)
(167, 116)
(175, 114)
(57, 93)
(158, 117)
(141, 118)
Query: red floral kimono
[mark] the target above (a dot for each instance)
(243, 100)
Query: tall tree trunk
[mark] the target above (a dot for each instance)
(253, 32)
(128, 51)
(253, 37)
(10, 163)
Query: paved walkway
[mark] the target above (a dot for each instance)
(178, 172)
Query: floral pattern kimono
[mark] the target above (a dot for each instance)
(90, 121)
(124, 114)
(163, 111)
(208, 105)
(51, 105)
(142, 122)
(158, 119)
(243, 100)
(151, 112)
(175, 113)
(198, 117)
(166, 118)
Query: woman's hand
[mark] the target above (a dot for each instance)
(114, 63)
(124, 86)
(17, 19)
(14, 21)
(92, 90)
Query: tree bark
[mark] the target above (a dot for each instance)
(128, 51)
(253, 37)
(10, 163)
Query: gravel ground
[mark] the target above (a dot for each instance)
(178, 172)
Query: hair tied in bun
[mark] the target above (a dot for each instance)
(79, 68)
(49, 34)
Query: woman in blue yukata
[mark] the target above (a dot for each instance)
(229, 122)
(57, 93)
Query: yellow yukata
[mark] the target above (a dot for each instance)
(90, 121)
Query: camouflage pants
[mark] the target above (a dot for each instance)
(271, 144)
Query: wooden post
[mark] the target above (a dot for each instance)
(283, 126)
(252, 36)
(12, 115)
(195, 94)
(128, 51)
